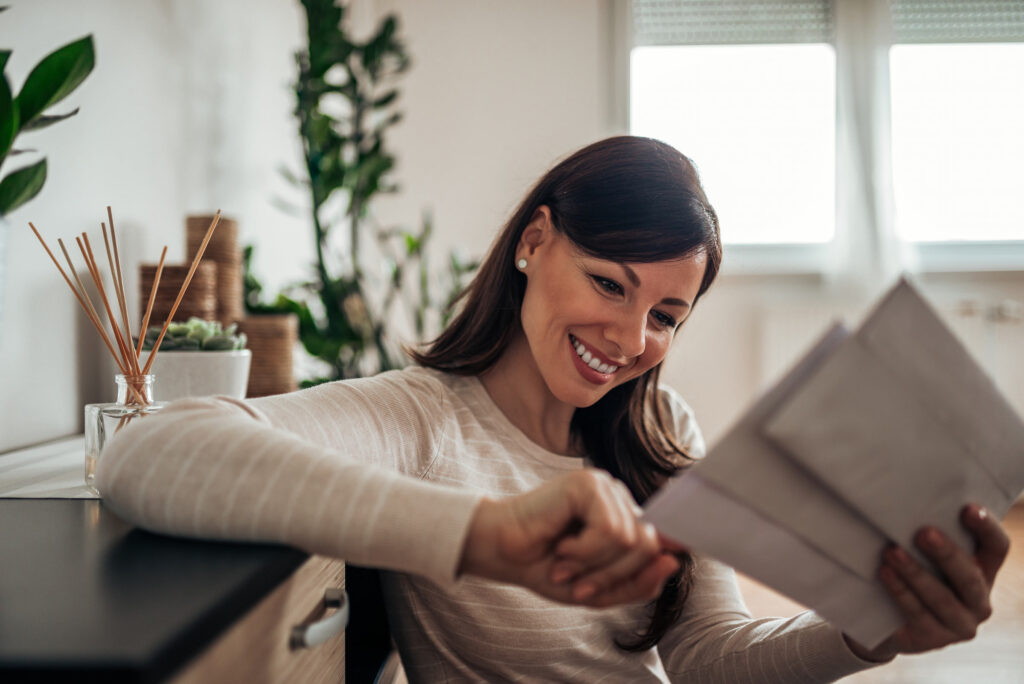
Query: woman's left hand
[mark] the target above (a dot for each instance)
(938, 614)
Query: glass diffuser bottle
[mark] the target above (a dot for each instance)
(102, 421)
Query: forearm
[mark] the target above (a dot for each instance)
(215, 471)
(717, 639)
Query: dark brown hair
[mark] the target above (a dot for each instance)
(626, 199)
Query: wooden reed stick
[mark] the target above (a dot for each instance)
(149, 306)
(90, 310)
(114, 275)
(94, 271)
(181, 292)
(95, 321)
(128, 367)
(81, 286)
(120, 285)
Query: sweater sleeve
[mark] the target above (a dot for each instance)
(334, 470)
(717, 640)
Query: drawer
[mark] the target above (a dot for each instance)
(255, 650)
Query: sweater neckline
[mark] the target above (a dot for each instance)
(507, 427)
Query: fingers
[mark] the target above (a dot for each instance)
(641, 554)
(940, 613)
(921, 624)
(576, 539)
(646, 585)
(993, 542)
(931, 607)
(964, 575)
(611, 529)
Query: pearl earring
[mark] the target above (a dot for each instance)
(521, 264)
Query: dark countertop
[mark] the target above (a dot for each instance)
(84, 596)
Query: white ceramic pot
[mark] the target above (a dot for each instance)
(200, 373)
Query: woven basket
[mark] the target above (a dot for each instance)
(272, 339)
(200, 298)
(223, 250)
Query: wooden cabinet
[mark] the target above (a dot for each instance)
(256, 649)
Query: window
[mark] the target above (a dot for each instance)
(867, 130)
(958, 141)
(759, 122)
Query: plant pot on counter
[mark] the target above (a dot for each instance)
(201, 373)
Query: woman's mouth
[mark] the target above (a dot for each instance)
(590, 361)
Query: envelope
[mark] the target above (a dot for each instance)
(902, 424)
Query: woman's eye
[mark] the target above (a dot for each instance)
(607, 285)
(664, 320)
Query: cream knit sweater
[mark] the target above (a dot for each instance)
(386, 472)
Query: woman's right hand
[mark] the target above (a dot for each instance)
(576, 539)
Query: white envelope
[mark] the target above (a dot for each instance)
(904, 426)
(753, 470)
(700, 515)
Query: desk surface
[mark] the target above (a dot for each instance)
(85, 594)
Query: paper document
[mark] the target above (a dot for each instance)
(870, 436)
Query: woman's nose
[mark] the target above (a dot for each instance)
(629, 334)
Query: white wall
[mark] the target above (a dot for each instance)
(188, 109)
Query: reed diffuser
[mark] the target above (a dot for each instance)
(134, 383)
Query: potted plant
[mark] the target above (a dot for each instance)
(346, 103)
(49, 82)
(199, 358)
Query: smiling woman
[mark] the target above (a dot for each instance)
(513, 459)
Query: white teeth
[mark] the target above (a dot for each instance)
(592, 360)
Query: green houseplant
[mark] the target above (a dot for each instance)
(345, 103)
(49, 82)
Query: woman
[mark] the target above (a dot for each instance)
(500, 475)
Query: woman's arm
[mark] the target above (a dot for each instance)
(317, 470)
(222, 469)
(717, 639)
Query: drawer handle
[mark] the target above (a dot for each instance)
(312, 634)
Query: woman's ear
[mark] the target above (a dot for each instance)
(537, 232)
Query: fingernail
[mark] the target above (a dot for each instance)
(899, 557)
(933, 539)
(584, 591)
(976, 512)
(560, 575)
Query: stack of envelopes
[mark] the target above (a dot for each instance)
(872, 435)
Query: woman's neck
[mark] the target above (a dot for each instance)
(518, 389)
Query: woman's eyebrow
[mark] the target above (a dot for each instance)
(633, 278)
(631, 274)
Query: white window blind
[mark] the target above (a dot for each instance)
(957, 21)
(731, 22)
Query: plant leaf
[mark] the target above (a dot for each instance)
(20, 186)
(43, 120)
(4, 54)
(55, 78)
(8, 117)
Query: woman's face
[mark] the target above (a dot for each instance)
(592, 324)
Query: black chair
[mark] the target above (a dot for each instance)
(368, 646)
